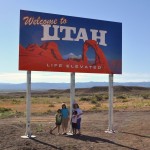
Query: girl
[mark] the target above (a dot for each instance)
(58, 122)
(74, 122)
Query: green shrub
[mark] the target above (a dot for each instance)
(125, 100)
(6, 112)
(57, 97)
(98, 105)
(98, 97)
(105, 97)
(51, 96)
(121, 97)
(94, 108)
(2, 110)
(22, 96)
(84, 99)
(14, 101)
(146, 96)
(51, 105)
(17, 113)
(39, 128)
(48, 112)
(93, 101)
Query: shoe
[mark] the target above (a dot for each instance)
(64, 133)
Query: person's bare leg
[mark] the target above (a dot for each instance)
(58, 129)
(53, 129)
(75, 131)
(63, 128)
(79, 131)
(66, 125)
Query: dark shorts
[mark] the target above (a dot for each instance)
(79, 123)
(58, 123)
(74, 125)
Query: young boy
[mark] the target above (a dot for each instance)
(58, 118)
(74, 122)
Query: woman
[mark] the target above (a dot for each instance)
(65, 118)
(79, 113)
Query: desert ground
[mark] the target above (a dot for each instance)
(131, 121)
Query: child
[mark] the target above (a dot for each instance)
(74, 121)
(58, 118)
(79, 114)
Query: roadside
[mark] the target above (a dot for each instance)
(132, 132)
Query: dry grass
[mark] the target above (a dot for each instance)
(50, 101)
(45, 105)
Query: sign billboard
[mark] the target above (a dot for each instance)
(51, 42)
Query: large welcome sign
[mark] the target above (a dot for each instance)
(50, 42)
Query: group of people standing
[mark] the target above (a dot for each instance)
(62, 117)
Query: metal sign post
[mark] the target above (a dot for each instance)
(110, 111)
(72, 96)
(28, 107)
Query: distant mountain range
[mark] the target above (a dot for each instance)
(48, 86)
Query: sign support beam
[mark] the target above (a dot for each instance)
(110, 109)
(72, 95)
(28, 107)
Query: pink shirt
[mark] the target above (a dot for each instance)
(74, 119)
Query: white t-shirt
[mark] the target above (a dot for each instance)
(74, 119)
(79, 111)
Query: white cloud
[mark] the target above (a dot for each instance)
(59, 77)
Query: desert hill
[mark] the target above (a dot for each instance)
(102, 89)
(81, 91)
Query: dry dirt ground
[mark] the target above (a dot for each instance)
(132, 133)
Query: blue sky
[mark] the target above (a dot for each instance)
(134, 16)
